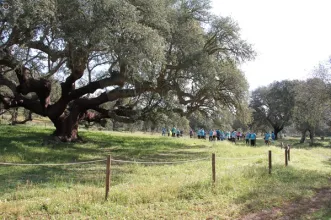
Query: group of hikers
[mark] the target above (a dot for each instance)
(232, 136)
(174, 132)
(219, 135)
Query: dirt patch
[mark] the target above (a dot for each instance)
(295, 210)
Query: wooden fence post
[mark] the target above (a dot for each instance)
(289, 153)
(270, 165)
(213, 168)
(108, 176)
(286, 163)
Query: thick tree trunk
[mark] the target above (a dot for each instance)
(276, 131)
(66, 130)
(312, 136)
(153, 127)
(303, 137)
(66, 126)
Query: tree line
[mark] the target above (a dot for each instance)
(302, 104)
(142, 65)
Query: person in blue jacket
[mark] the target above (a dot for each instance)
(203, 134)
(266, 138)
(233, 136)
(211, 135)
(253, 139)
(247, 137)
(222, 136)
(199, 134)
(218, 134)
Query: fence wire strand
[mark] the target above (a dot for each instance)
(131, 161)
(51, 164)
(240, 158)
(158, 162)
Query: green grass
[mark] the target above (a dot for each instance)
(324, 214)
(171, 191)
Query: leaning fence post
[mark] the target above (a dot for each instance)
(270, 165)
(108, 176)
(286, 157)
(213, 168)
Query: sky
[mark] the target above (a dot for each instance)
(291, 37)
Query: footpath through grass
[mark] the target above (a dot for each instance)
(170, 191)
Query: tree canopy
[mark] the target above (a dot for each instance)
(312, 106)
(139, 55)
(273, 104)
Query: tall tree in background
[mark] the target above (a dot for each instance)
(159, 47)
(312, 103)
(273, 105)
(218, 120)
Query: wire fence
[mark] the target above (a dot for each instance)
(51, 164)
(129, 161)
(134, 161)
(82, 172)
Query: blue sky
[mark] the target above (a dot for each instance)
(290, 36)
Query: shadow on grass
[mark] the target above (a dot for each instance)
(24, 145)
(19, 178)
(285, 181)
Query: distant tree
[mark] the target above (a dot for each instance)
(273, 105)
(220, 119)
(259, 123)
(238, 125)
(312, 104)
(224, 119)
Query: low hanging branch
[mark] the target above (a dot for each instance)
(74, 40)
(27, 118)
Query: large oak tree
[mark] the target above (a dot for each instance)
(111, 56)
(273, 105)
(312, 106)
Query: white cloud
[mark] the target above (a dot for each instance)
(290, 37)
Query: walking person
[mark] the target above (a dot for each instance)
(266, 138)
(214, 135)
(173, 131)
(234, 136)
(238, 135)
(253, 139)
(247, 137)
(203, 134)
(211, 135)
(218, 134)
(222, 136)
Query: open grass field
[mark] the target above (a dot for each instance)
(243, 186)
